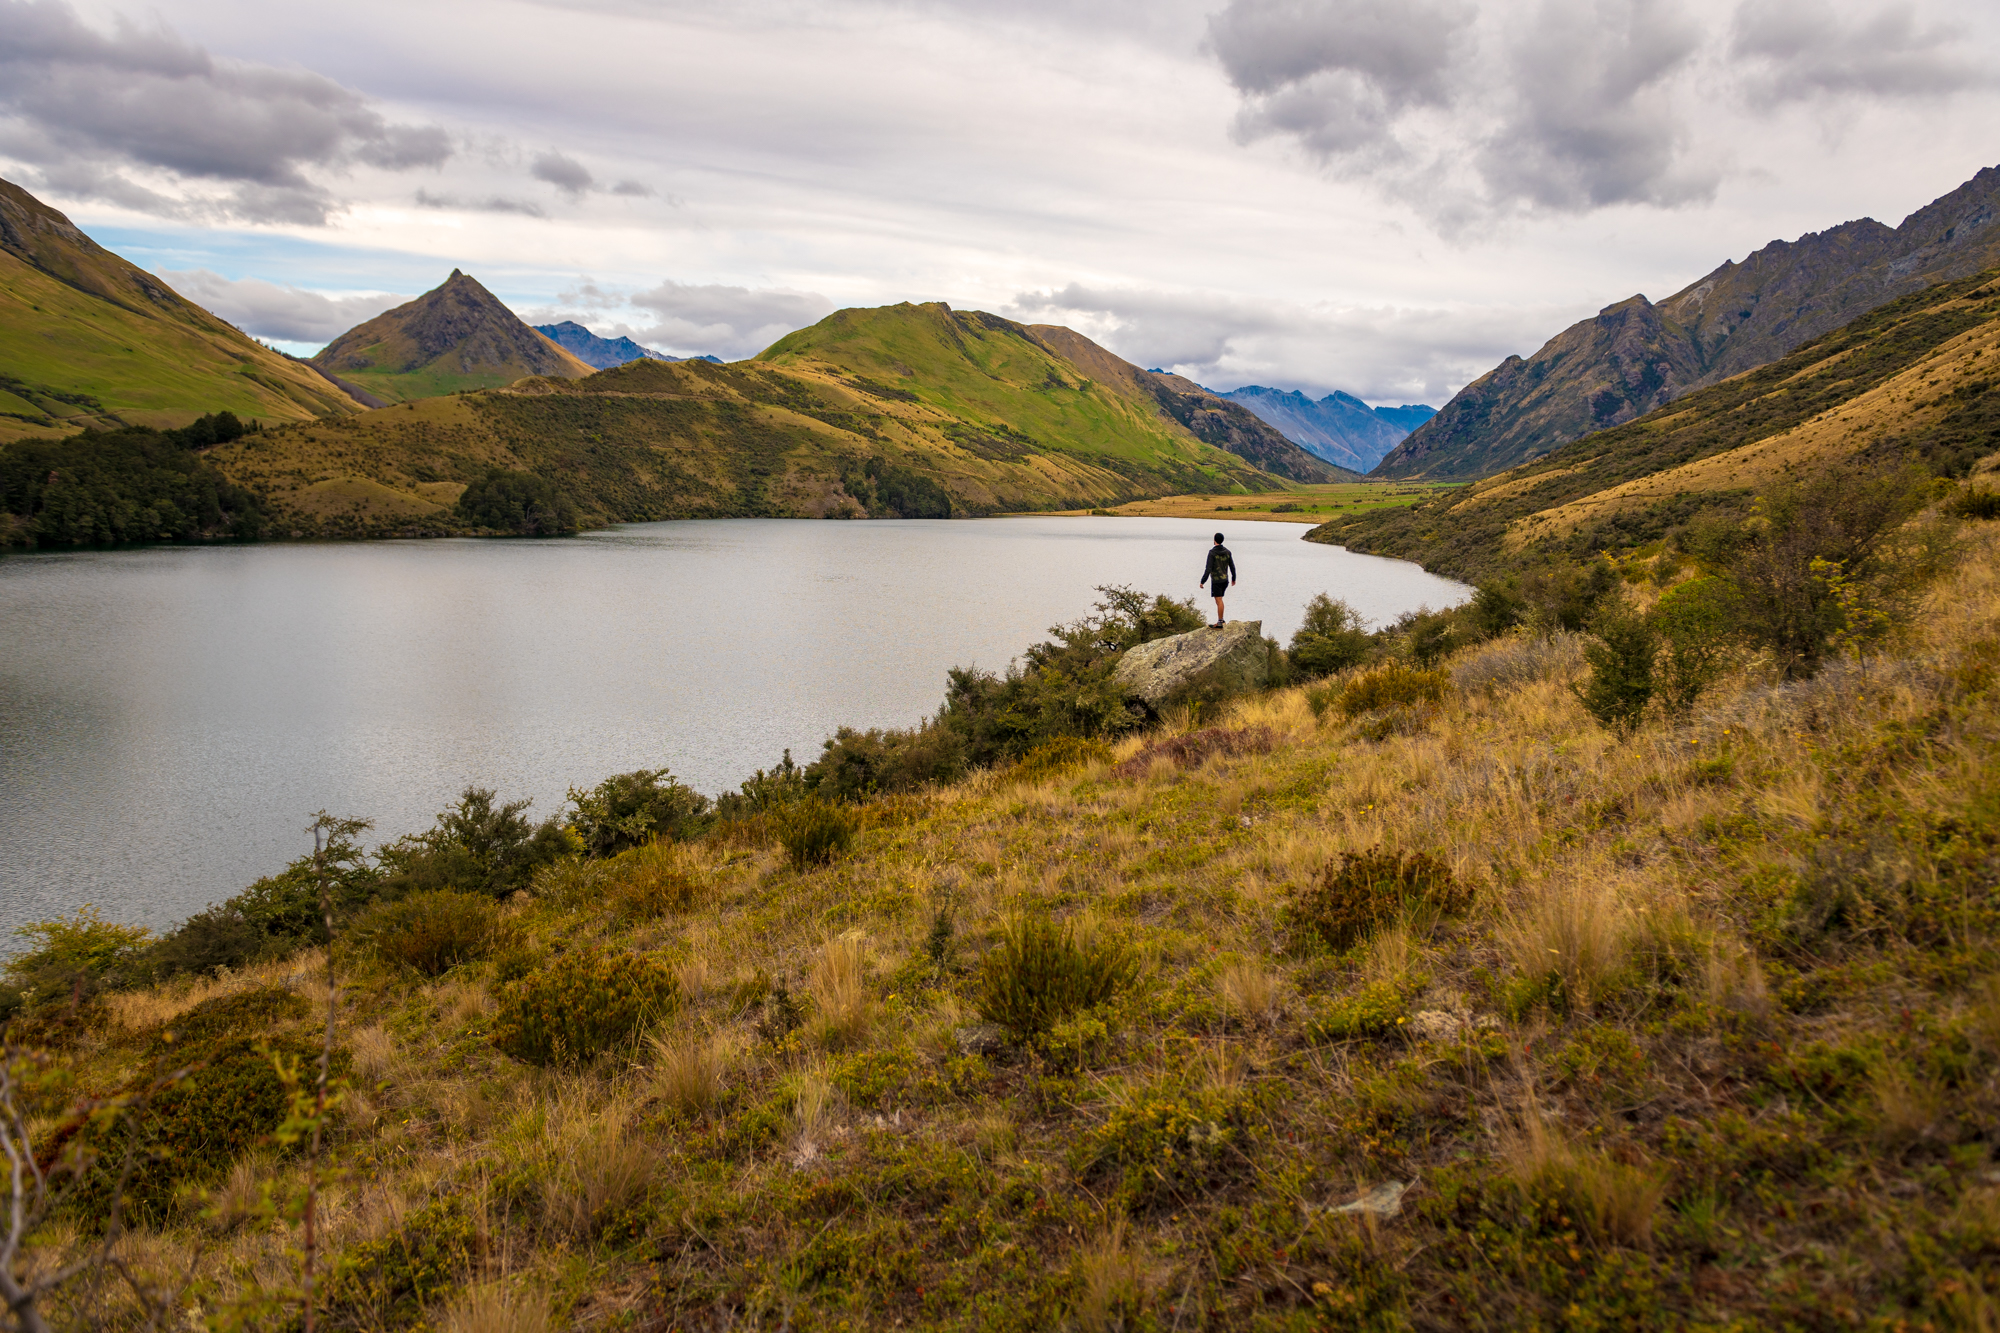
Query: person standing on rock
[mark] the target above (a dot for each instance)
(1220, 573)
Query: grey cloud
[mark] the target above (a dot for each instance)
(1590, 124)
(566, 174)
(633, 190)
(1572, 114)
(732, 322)
(490, 204)
(1797, 50)
(268, 310)
(1400, 52)
(1382, 354)
(143, 98)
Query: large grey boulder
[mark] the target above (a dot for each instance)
(1232, 660)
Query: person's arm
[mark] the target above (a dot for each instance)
(1232, 567)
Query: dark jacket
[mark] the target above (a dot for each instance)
(1221, 569)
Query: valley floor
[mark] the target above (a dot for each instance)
(1714, 1042)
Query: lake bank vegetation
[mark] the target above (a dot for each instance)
(1618, 950)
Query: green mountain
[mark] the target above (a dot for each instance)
(456, 336)
(87, 339)
(911, 411)
(1034, 382)
(1634, 357)
(1916, 380)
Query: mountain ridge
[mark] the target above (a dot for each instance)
(1635, 356)
(1339, 428)
(910, 411)
(90, 339)
(603, 353)
(1914, 381)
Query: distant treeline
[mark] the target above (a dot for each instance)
(135, 484)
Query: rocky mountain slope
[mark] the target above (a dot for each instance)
(1339, 428)
(1916, 380)
(88, 339)
(456, 336)
(1635, 356)
(917, 411)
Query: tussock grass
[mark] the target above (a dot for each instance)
(1741, 970)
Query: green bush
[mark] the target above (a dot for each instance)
(1696, 625)
(78, 955)
(856, 764)
(1364, 891)
(1620, 684)
(430, 932)
(634, 808)
(581, 1005)
(1379, 1009)
(1331, 638)
(386, 1283)
(648, 882)
(1041, 972)
(813, 832)
(1161, 1145)
(1975, 502)
(190, 1129)
(1392, 686)
(476, 846)
(1058, 756)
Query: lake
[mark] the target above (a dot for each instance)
(171, 717)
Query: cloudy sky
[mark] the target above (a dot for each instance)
(1381, 196)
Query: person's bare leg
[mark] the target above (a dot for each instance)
(1219, 622)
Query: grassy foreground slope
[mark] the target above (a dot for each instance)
(1705, 1033)
(87, 339)
(794, 435)
(1914, 381)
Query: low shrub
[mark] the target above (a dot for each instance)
(76, 957)
(813, 832)
(581, 1005)
(1392, 686)
(632, 809)
(431, 932)
(857, 764)
(1379, 1009)
(478, 846)
(188, 1128)
(1197, 747)
(1975, 502)
(246, 1013)
(1621, 669)
(1163, 1144)
(1058, 756)
(650, 881)
(1366, 890)
(387, 1281)
(1041, 972)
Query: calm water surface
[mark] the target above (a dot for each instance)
(170, 718)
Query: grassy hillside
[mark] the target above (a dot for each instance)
(1916, 381)
(454, 337)
(1032, 382)
(1466, 1015)
(87, 339)
(788, 435)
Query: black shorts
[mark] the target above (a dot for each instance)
(1219, 588)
